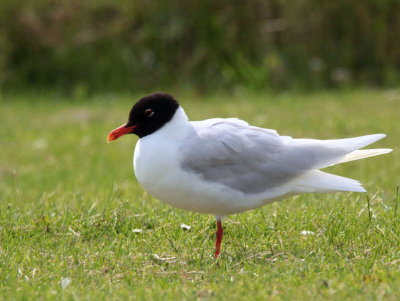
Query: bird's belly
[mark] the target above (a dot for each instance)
(160, 175)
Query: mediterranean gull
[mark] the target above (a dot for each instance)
(225, 166)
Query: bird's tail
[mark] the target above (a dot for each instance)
(319, 181)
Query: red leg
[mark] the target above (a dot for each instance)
(219, 234)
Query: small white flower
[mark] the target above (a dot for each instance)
(307, 233)
(167, 259)
(137, 230)
(65, 282)
(185, 227)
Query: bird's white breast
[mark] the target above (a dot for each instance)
(153, 163)
(157, 168)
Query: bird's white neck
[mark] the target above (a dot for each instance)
(175, 129)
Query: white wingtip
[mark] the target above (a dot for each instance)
(365, 153)
(358, 189)
(353, 144)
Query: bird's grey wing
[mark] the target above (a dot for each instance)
(246, 158)
(232, 153)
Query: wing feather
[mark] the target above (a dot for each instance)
(251, 159)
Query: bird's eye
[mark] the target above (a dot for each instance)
(148, 113)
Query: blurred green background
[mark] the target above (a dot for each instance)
(208, 45)
(76, 225)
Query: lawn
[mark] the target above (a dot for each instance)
(75, 224)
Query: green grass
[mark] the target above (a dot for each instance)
(69, 204)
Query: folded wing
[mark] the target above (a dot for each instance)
(252, 160)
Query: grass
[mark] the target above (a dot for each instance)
(70, 202)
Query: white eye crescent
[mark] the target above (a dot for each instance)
(148, 113)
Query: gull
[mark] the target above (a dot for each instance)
(224, 166)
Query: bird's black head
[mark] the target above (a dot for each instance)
(148, 115)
